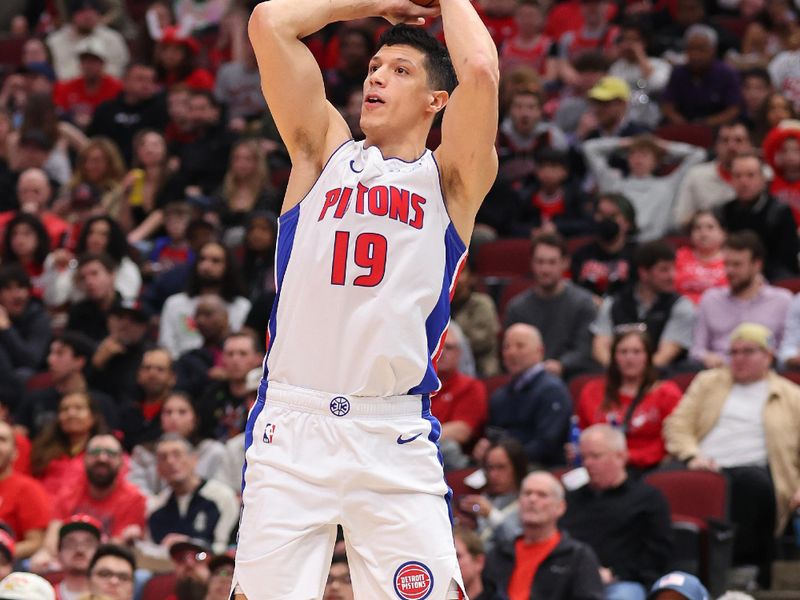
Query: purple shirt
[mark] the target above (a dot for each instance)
(719, 313)
(699, 97)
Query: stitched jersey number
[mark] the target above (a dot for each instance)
(369, 253)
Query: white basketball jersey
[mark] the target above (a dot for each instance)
(365, 268)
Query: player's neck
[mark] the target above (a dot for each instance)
(408, 149)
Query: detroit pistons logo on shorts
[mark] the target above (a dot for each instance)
(340, 406)
(413, 581)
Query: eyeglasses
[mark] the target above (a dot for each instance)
(343, 579)
(744, 351)
(110, 452)
(223, 572)
(109, 574)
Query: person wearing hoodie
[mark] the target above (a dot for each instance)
(782, 153)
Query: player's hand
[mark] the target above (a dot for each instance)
(405, 11)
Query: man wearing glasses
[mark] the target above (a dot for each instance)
(111, 573)
(338, 585)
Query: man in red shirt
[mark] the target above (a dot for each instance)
(461, 404)
(103, 493)
(80, 96)
(24, 505)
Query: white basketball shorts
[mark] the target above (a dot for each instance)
(315, 460)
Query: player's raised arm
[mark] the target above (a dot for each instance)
(469, 127)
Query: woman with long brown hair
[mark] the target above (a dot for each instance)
(631, 397)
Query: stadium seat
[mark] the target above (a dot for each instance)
(682, 380)
(159, 587)
(576, 385)
(512, 288)
(689, 133)
(790, 283)
(503, 259)
(11, 50)
(495, 382)
(39, 381)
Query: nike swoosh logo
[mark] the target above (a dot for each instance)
(400, 439)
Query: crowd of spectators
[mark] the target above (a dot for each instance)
(649, 153)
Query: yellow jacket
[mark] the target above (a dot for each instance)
(700, 408)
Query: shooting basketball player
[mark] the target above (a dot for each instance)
(370, 241)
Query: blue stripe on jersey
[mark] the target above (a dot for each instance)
(287, 226)
(433, 436)
(437, 322)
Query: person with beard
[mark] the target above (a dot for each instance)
(214, 272)
(155, 379)
(221, 576)
(603, 266)
(102, 492)
(559, 309)
(191, 560)
(747, 298)
(24, 504)
(196, 368)
(111, 573)
(78, 540)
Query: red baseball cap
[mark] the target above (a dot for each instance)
(81, 522)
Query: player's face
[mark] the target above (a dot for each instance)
(396, 90)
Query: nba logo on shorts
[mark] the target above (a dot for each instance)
(413, 581)
(269, 430)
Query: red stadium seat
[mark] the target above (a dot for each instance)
(159, 587)
(682, 380)
(504, 259)
(11, 50)
(576, 385)
(790, 283)
(511, 289)
(39, 381)
(495, 382)
(689, 133)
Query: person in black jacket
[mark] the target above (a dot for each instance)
(626, 522)
(754, 209)
(531, 553)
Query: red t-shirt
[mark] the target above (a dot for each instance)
(61, 473)
(694, 276)
(24, 504)
(645, 442)
(22, 464)
(124, 506)
(73, 95)
(526, 563)
(461, 398)
(514, 53)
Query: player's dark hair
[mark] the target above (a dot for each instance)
(113, 550)
(441, 74)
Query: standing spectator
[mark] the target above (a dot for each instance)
(135, 108)
(24, 505)
(741, 420)
(535, 406)
(111, 573)
(708, 185)
(560, 310)
(704, 90)
(753, 208)
(214, 272)
(652, 301)
(631, 397)
(700, 265)
(651, 195)
(476, 314)
(604, 265)
(175, 61)
(626, 522)
(79, 97)
(238, 86)
(85, 24)
(177, 463)
(90, 316)
(532, 558)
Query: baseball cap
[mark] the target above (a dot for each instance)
(683, 583)
(610, 88)
(754, 333)
(7, 544)
(77, 5)
(26, 586)
(195, 545)
(81, 522)
(136, 308)
(92, 47)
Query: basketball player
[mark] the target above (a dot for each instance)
(370, 240)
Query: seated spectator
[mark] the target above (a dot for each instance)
(177, 463)
(111, 573)
(231, 471)
(595, 33)
(651, 195)
(609, 100)
(740, 420)
(24, 504)
(356, 47)
(471, 560)
(747, 298)
(195, 369)
(34, 193)
(78, 540)
(753, 208)
(559, 309)
(57, 454)
(220, 578)
(155, 378)
(476, 314)
(647, 76)
(339, 585)
(176, 59)
(678, 585)
(460, 405)
(27, 244)
(95, 274)
(626, 522)
(68, 356)
(530, 46)
(214, 272)
(603, 266)
(504, 464)
(756, 90)
(115, 363)
(79, 97)
(238, 86)
(631, 397)
(171, 249)
(223, 407)
(782, 154)
(532, 558)
(667, 317)
(177, 416)
(258, 253)
(534, 407)
(705, 90)
(700, 265)
(190, 559)
(24, 324)
(785, 74)
(145, 185)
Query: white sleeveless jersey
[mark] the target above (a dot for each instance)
(365, 268)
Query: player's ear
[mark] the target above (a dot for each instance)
(439, 100)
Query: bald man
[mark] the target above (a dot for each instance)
(532, 558)
(34, 192)
(535, 406)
